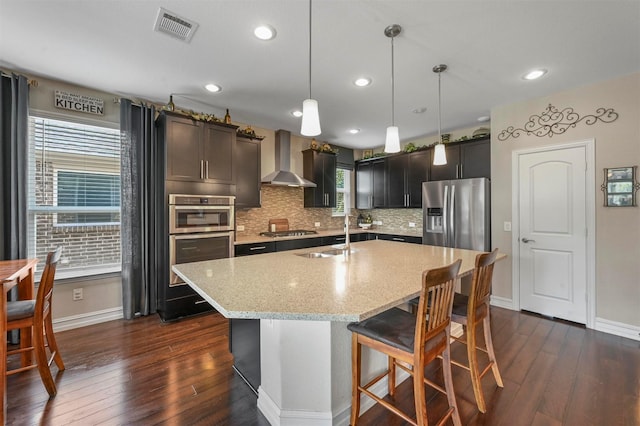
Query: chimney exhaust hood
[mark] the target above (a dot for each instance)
(283, 176)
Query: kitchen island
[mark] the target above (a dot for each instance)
(304, 304)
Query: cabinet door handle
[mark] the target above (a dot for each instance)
(201, 169)
(398, 239)
(340, 238)
(258, 248)
(207, 169)
(460, 171)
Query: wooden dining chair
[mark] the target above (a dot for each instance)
(35, 316)
(410, 342)
(472, 311)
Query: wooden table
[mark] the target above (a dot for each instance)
(13, 272)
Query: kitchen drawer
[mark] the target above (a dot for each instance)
(255, 248)
(284, 245)
(183, 307)
(335, 239)
(400, 238)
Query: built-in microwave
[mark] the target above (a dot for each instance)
(200, 213)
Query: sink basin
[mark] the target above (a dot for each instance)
(324, 253)
(314, 255)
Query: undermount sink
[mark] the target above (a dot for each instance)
(314, 255)
(325, 253)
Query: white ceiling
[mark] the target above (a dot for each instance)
(488, 45)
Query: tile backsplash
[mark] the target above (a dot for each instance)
(282, 202)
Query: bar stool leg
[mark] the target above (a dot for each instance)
(486, 328)
(356, 362)
(448, 385)
(473, 368)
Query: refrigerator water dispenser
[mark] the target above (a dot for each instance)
(434, 220)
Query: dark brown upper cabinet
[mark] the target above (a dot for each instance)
(248, 176)
(198, 151)
(469, 159)
(320, 168)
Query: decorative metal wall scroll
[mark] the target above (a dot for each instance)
(554, 122)
(620, 187)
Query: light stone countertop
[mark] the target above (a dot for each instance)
(376, 276)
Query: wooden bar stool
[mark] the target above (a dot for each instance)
(35, 315)
(472, 311)
(413, 340)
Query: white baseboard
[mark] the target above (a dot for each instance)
(502, 302)
(89, 318)
(618, 328)
(278, 417)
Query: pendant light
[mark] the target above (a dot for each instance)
(310, 115)
(392, 142)
(440, 156)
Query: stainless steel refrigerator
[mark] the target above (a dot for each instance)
(456, 213)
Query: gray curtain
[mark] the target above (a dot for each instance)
(138, 220)
(14, 119)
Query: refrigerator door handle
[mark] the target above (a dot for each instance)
(451, 216)
(445, 222)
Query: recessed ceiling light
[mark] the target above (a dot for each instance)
(420, 110)
(484, 118)
(362, 81)
(213, 87)
(534, 74)
(354, 131)
(265, 32)
(297, 113)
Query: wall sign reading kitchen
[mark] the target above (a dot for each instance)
(79, 103)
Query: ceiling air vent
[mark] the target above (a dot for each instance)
(174, 25)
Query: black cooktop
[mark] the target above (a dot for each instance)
(289, 233)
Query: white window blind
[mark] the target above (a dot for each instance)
(74, 195)
(343, 192)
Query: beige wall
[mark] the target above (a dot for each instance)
(617, 144)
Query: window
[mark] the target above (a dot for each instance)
(77, 189)
(74, 195)
(343, 192)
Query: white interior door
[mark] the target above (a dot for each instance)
(553, 232)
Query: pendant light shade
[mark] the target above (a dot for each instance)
(310, 115)
(440, 155)
(392, 141)
(310, 118)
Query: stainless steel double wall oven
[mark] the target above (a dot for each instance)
(201, 227)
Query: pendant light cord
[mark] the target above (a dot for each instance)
(393, 88)
(439, 108)
(310, 1)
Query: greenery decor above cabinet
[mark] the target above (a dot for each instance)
(248, 174)
(469, 159)
(320, 168)
(198, 151)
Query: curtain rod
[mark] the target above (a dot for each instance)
(32, 82)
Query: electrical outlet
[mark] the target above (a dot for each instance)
(77, 294)
(412, 224)
(317, 224)
(240, 228)
(377, 222)
(507, 226)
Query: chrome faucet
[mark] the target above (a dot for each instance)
(347, 243)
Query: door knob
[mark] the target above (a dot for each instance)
(526, 240)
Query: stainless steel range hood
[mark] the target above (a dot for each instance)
(283, 176)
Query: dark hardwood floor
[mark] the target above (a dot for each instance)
(145, 372)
